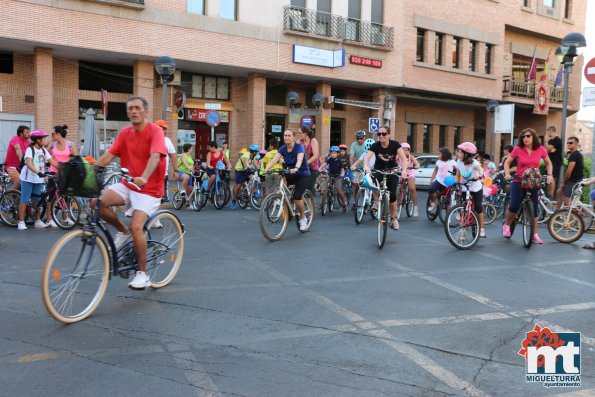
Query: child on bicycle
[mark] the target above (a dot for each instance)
(444, 167)
(336, 172)
(411, 165)
(470, 170)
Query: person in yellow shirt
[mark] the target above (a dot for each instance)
(244, 167)
(272, 180)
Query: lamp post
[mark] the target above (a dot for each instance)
(165, 67)
(491, 106)
(571, 46)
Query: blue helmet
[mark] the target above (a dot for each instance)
(368, 144)
(369, 182)
(360, 133)
(254, 148)
(334, 149)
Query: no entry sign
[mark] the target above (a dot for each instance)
(590, 71)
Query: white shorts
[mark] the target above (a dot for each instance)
(135, 200)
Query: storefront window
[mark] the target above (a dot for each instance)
(208, 87)
(276, 95)
(6, 62)
(426, 148)
(113, 78)
(411, 139)
(442, 136)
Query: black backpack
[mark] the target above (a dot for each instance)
(71, 176)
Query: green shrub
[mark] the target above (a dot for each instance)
(586, 174)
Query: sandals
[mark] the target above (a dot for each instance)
(589, 246)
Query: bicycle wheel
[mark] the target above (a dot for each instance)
(347, 191)
(324, 203)
(226, 192)
(308, 211)
(179, 200)
(462, 227)
(273, 217)
(219, 195)
(408, 204)
(165, 248)
(331, 196)
(566, 226)
(256, 196)
(587, 218)
(432, 214)
(360, 203)
(527, 221)
(75, 276)
(544, 209)
(490, 213)
(243, 197)
(443, 208)
(383, 221)
(65, 212)
(9, 207)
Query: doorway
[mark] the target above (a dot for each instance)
(275, 125)
(9, 123)
(336, 132)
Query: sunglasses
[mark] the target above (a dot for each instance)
(360, 139)
(383, 133)
(570, 143)
(527, 136)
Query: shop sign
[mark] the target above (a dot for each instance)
(213, 106)
(276, 128)
(364, 61)
(318, 56)
(201, 115)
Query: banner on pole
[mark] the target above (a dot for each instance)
(104, 103)
(504, 119)
(542, 98)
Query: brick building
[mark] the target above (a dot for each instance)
(426, 68)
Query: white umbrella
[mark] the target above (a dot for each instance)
(91, 146)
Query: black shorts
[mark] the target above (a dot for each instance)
(392, 182)
(301, 184)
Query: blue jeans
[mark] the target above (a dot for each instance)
(29, 190)
(516, 195)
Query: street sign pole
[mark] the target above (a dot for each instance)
(212, 134)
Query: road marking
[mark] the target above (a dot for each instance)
(561, 308)
(31, 358)
(445, 320)
(193, 371)
(557, 328)
(561, 263)
(326, 302)
(563, 277)
(577, 393)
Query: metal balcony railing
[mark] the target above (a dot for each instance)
(523, 89)
(322, 24)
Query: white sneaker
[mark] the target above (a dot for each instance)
(53, 224)
(129, 212)
(303, 225)
(121, 239)
(394, 224)
(21, 226)
(157, 225)
(41, 224)
(141, 281)
(433, 206)
(415, 212)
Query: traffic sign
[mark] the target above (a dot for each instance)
(213, 118)
(373, 124)
(307, 121)
(588, 96)
(590, 71)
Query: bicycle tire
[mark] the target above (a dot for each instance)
(179, 200)
(544, 209)
(309, 211)
(490, 213)
(408, 204)
(243, 197)
(54, 286)
(67, 209)
(323, 203)
(566, 226)
(226, 192)
(331, 200)
(165, 245)
(383, 221)
(219, 196)
(527, 221)
(360, 205)
(9, 207)
(256, 196)
(459, 224)
(432, 215)
(443, 208)
(273, 211)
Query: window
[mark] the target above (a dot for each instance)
(455, 52)
(6, 62)
(527, 3)
(377, 11)
(442, 136)
(411, 138)
(488, 60)
(457, 136)
(323, 18)
(354, 14)
(438, 49)
(276, 95)
(228, 9)
(208, 87)
(419, 52)
(472, 55)
(426, 148)
(568, 9)
(116, 111)
(114, 78)
(196, 7)
(298, 3)
(549, 3)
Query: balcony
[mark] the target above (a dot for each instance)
(322, 25)
(515, 87)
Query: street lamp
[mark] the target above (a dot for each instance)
(491, 106)
(571, 46)
(165, 67)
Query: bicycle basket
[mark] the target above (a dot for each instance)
(531, 179)
(77, 177)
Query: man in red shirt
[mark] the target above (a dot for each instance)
(15, 152)
(141, 149)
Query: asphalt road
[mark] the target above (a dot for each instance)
(318, 314)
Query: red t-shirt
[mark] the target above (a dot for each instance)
(524, 160)
(12, 160)
(134, 149)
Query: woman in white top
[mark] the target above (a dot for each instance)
(32, 176)
(444, 167)
(471, 171)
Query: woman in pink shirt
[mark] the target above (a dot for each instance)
(529, 154)
(61, 150)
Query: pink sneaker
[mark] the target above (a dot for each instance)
(536, 239)
(506, 231)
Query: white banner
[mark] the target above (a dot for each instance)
(588, 96)
(318, 57)
(504, 122)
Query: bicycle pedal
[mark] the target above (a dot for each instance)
(124, 274)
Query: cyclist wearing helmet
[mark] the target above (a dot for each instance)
(412, 165)
(471, 170)
(244, 168)
(528, 153)
(357, 147)
(32, 176)
(214, 156)
(387, 151)
(294, 158)
(357, 167)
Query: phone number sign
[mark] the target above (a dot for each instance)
(371, 62)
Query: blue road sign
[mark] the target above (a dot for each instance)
(373, 124)
(307, 121)
(213, 118)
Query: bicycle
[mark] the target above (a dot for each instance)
(462, 226)
(525, 218)
(219, 193)
(251, 191)
(181, 198)
(278, 208)
(383, 208)
(329, 194)
(80, 264)
(347, 190)
(404, 198)
(568, 224)
(446, 199)
(364, 200)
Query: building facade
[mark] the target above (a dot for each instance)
(426, 68)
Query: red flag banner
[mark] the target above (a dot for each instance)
(542, 98)
(104, 103)
(533, 69)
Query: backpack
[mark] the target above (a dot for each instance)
(22, 163)
(77, 177)
(531, 179)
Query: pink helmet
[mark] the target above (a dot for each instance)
(38, 134)
(343, 146)
(262, 152)
(468, 147)
(405, 145)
